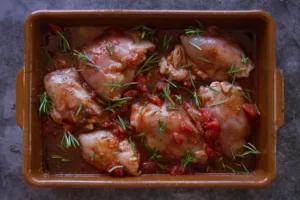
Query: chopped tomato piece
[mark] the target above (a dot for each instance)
(131, 93)
(159, 86)
(116, 171)
(184, 127)
(177, 169)
(200, 127)
(179, 139)
(212, 129)
(250, 110)
(93, 94)
(210, 153)
(206, 114)
(149, 167)
(187, 84)
(155, 99)
(55, 27)
(142, 81)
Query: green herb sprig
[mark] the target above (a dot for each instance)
(68, 140)
(218, 103)
(153, 59)
(251, 150)
(161, 126)
(46, 105)
(85, 57)
(154, 152)
(187, 159)
(62, 158)
(192, 31)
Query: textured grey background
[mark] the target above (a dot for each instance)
(286, 184)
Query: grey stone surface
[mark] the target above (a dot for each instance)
(286, 184)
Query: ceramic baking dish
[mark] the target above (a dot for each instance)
(268, 90)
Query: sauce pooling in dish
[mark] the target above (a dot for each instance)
(128, 102)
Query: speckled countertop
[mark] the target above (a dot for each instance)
(286, 184)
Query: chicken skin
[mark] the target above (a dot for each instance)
(101, 148)
(170, 132)
(213, 56)
(71, 103)
(225, 104)
(111, 60)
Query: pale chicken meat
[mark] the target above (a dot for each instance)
(175, 65)
(225, 104)
(101, 148)
(111, 62)
(172, 133)
(71, 102)
(214, 55)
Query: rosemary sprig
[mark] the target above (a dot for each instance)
(62, 158)
(161, 126)
(244, 59)
(151, 113)
(84, 56)
(167, 95)
(142, 135)
(119, 85)
(205, 60)
(192, 81)
(170, 108)
(131, 142)
(218, 103)
(63, 42)
(94, 155)
(154, 152)
(110, 48)
(116, 103)
(146, 33)
(228, 167)
(187, 159)
(102, 102)
(192, 31)
(46, 105)
(251, 150)
(178, 99)
(115, 167)
(79, 109)
(246, 95)
(185, 66)
(245, 168)
(196, 99)
(212, 89)
(233, 71)
(153, 59)
(143, 107)
(47, 56)
(232, 153)
(165, 42)
(194, 45)
(69, 140)
(120, 122)
(172, 83)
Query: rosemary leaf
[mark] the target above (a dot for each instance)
(218, 103)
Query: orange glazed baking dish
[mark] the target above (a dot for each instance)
(268, 87)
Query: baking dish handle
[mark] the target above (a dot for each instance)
(19, 98)
(279, 100)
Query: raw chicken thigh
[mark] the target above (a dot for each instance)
(102, 148)
(71, 102)
(225, 104)
(170, 132)
(112, 60)
(213, 56)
